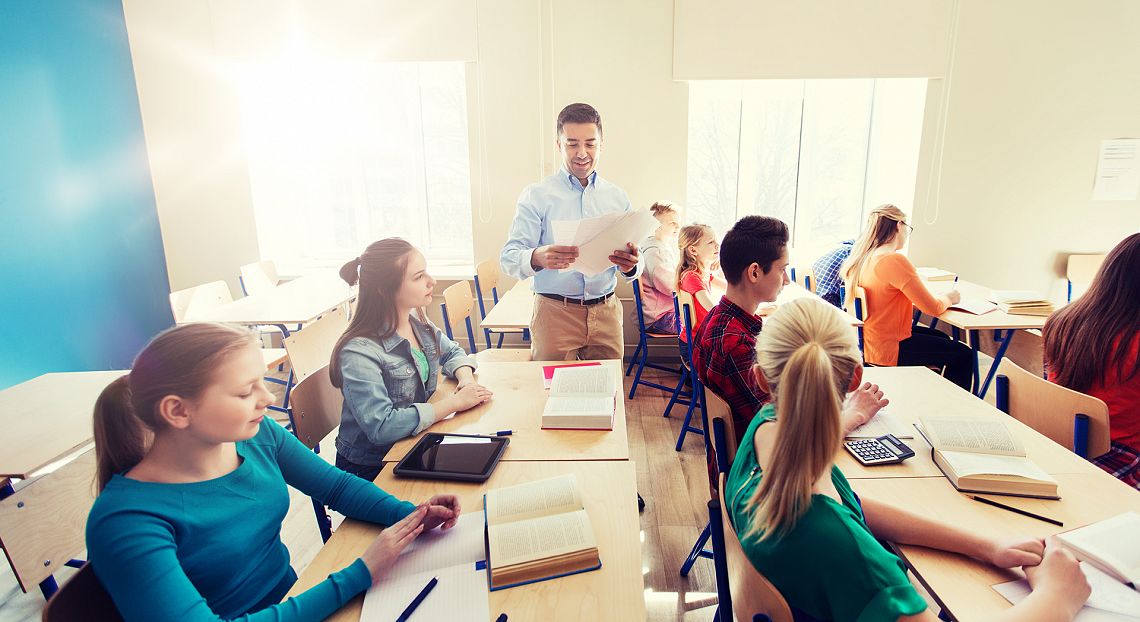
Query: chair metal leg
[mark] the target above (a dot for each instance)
(677, 392)
(48, 587)
(686, 427)
(997, 362)
(324, 521)
(636, 353)
(720, 563)
(697, 552)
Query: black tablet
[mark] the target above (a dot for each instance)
(463, 457)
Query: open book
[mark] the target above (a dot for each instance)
(581, 398)
(538, 531)
(1112, 545)
(982, 455)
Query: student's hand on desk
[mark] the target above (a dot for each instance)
(862, 404)
(470, 396)
(442, 512)
(625, 260)
(387, 546)
(1014, 552)
(553, 256)
(1059, 575)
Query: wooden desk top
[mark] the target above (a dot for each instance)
(514, 308)
(794, 290)
(916, 392)
(961, 584)
(296, 302)
(517, 405)
(47, 418)
(996, 319)
(614, 592)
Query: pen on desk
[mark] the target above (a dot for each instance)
(502, 618)
(1016, 510)
(417, 600)
(502, 433)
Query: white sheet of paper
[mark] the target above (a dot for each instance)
(1110, 599)
(462, 544)
(881, 424)
(597, 238)
(1118, 170)
(460, 595)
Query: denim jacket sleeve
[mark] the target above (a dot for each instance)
(368, 400)
(451, 355)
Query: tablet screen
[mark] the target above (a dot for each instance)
(448, 453)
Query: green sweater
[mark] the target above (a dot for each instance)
(829, 566)
(212, 550)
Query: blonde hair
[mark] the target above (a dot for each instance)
(882, 226)
(808, 354)
(689, 236)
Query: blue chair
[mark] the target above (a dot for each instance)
(1081, 269)
(487, 277)
(860, 311)
(694, 398)
(1071, 419)
(640, 357)
(458, 304)
(718, 452)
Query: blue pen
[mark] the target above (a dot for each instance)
(502, 618)
(418, 599)
(502, 433)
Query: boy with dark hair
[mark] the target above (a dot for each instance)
(754, 258)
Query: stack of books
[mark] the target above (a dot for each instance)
(935, 274)
(1018, 302)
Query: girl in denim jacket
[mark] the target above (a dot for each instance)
(386, 363)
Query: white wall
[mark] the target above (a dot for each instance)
(1034, 88)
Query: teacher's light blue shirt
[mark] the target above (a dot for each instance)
(561, 197)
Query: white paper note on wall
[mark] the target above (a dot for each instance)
(1118, 170)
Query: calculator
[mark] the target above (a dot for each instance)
(883, 450)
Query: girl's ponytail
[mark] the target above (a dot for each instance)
(121, 439)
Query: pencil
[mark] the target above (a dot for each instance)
(1016, 510)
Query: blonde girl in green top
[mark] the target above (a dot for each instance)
(803, 527)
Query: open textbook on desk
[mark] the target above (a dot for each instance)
(982, 455)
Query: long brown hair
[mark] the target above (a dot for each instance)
(689, 236)
(179, 361)
(1092, 336)
(380, 270)
(808, 354)
(882, 226)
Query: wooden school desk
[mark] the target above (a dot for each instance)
(519, 398)
(974, 324)
(297, 302)
(613, 592)
(962, 585)
(48, 418)
(514, 309)
(916, 392)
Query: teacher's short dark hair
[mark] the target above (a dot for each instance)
(752, 240)
(579, 113)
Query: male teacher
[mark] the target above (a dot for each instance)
(574, 316)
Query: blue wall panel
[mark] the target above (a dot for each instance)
(81, 259)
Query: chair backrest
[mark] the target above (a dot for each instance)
(1051, 408)
(316, 406)
(42, 524)
(185, 303)
(860, 311)
(809, 279)
(751, 592)
(638, 311)
(259, 277)
(719, 409)
(488, 273)
(458, 304)
(1082, 269)
(311, 348)
(83, 597)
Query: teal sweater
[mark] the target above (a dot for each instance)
(212, 550)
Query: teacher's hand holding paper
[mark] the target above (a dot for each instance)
(553, 257)
(625, 260)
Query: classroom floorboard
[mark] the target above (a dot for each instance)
(674, 485)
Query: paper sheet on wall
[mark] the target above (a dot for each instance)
(597, 238)
(1118, 170)
(1110, 599)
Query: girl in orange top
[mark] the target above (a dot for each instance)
(1093, 346)
(893, 288)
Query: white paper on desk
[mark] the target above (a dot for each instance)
(461, 594)
(597, 238)
(1110, 599)
(974, 305)
(1118, 170)
(439, 548)
(881, 424)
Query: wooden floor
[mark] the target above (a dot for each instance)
(674, 485)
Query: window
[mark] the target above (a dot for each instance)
(343, 154)
(817, 154)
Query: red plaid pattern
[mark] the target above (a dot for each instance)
(723, 355)
(1123, 463)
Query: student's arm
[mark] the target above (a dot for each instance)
(658, 271)
(368, 401)
(901, 274)
(704, 297)
(135, 557)
(343, 492)
(525, 236)
(452, 358)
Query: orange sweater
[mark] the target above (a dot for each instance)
(893, 289)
